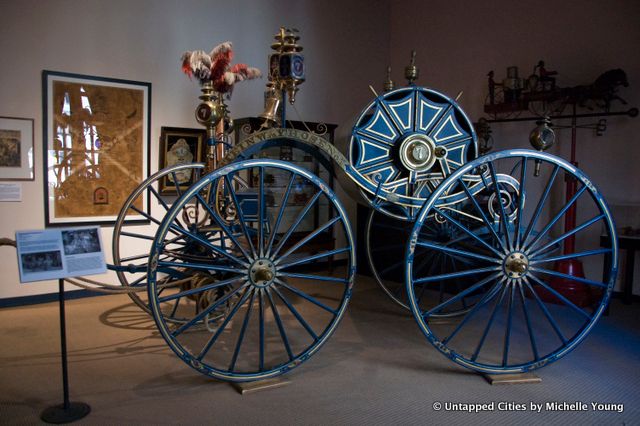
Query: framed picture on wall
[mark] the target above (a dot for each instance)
(96, 147)
(180, 145)
(16, 148)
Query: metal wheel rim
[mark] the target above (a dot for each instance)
(229, 374)
(606, 286)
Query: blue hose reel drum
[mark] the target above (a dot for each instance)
(404, 144)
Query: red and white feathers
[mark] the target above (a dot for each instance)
(216, 67)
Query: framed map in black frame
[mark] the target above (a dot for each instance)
(96, 147)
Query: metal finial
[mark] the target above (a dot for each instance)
(411, 71)
(388, 84)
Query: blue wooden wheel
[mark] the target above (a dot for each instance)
(538, 285)
(404, 144)
(131, 245)
(266, 302)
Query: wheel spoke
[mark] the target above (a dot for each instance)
(145, 214)
(158, 197)
(222, 226)
(541, 203)
(283, 334)
(138, 281)
(176, 184)
(466, 231)
(245, 322)
(135, 257)
(261, 329)
(204, 313)
(488, 224)
(458, 252)
(172, 314)
(557, 217)
(307, 297)
(210, 246)
(222, 326)
(243, 224)
(196, 290)
(476, 308)
(432, 264)
(575, 230)
(201, 266)
(136, 235)
(296, 314)
(566, 301)
(308, 238)
(532, 338)
(569, 277)
(283, 204)
(261, 209)
(521, 198)
(489, 324)
(571, 256)
(295, 224)
(390, 268)
(507, 332)
(547, 314)
(451, 275)
(315, 257)
(461, 295)
(313, 277)
(503, 214)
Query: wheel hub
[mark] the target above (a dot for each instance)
(418, 152)
(262, 272)
(516, 265)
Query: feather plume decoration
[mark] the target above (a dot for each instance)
(215, 67)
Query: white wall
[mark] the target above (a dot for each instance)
(346, 46)
(458, 42)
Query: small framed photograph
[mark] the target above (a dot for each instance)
(180, 145)
(16, 148)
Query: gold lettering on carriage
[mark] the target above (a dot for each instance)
(295, 134)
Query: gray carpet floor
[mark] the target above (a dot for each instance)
(376, 369)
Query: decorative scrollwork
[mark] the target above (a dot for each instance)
(246, 129)
(321, 129)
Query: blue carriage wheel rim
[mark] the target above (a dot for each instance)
(262, 372)
(447, 110)
(607, 286)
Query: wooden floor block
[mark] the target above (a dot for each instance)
(260, 385)
(512, 379)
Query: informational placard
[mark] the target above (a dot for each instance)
(51, 254)
(10, 192)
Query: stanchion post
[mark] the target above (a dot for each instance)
(66, 412)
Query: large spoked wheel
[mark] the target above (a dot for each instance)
(537, 284)
(260, 308)
(131, 245)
